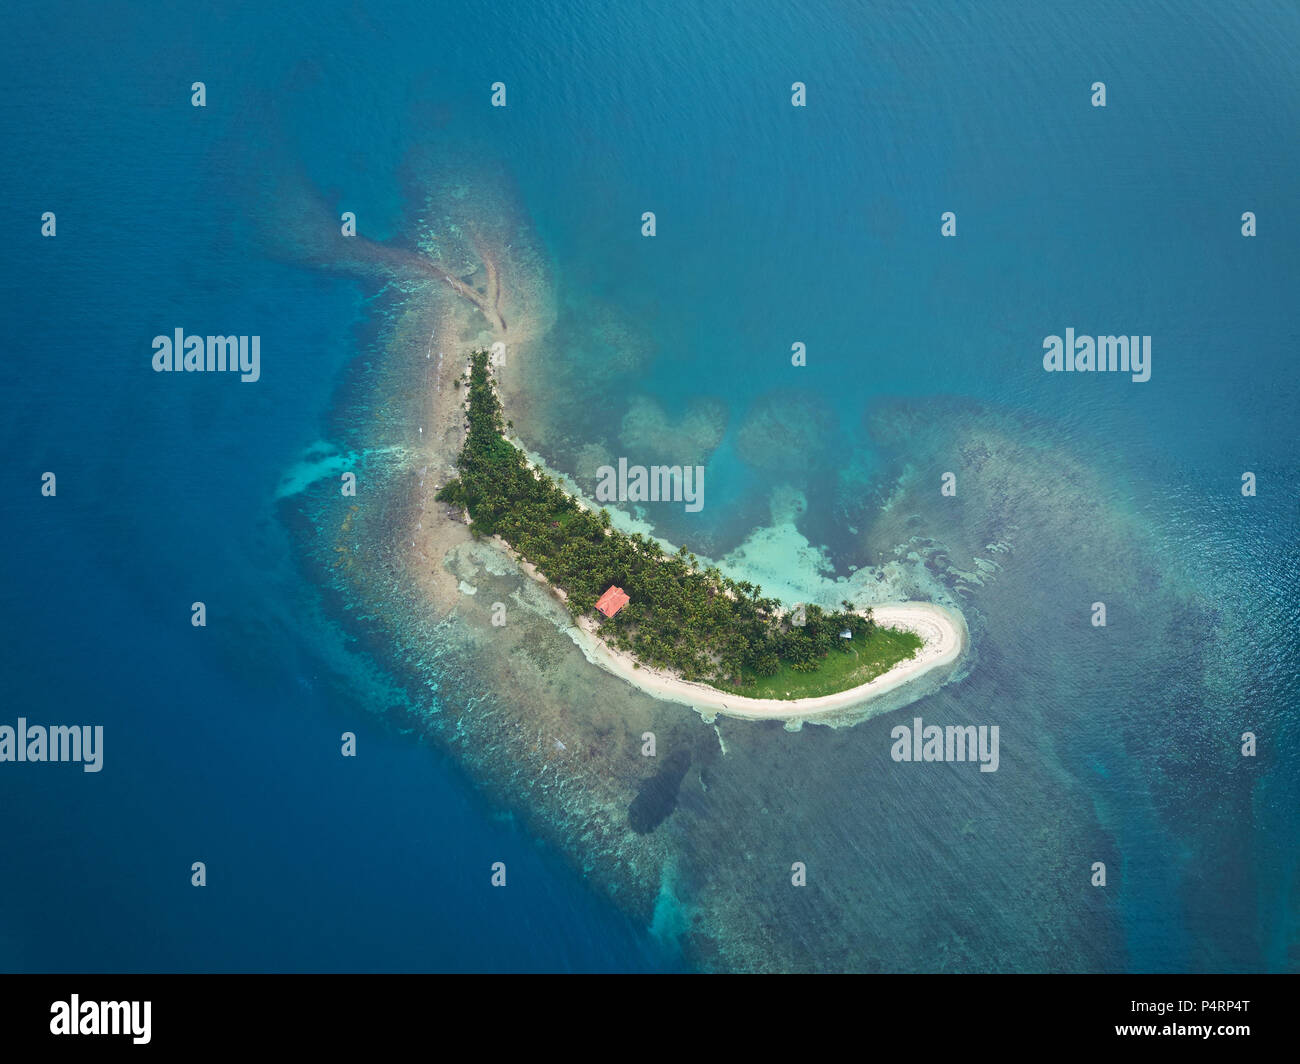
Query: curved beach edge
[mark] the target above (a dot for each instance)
(945, 640)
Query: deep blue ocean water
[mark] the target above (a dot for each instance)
(775, 225)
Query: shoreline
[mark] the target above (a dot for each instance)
(944, 635)
(944, 642)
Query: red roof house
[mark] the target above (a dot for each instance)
(612, 601)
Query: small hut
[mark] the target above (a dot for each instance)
(612, 601)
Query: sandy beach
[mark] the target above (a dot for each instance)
(457, 326)
(943, 632)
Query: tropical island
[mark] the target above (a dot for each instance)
(661, 610)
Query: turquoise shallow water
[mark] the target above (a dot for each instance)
(776, 225)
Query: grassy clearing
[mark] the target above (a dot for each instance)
(866, 659)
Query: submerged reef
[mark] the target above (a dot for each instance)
(697, 839)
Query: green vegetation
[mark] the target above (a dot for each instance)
(692, 620)
(861, 662)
